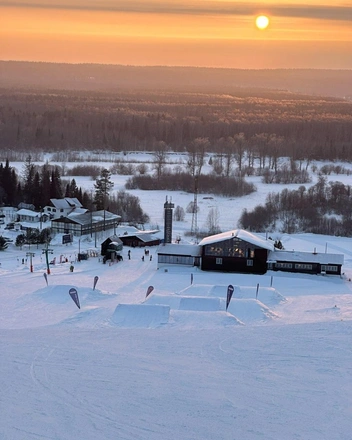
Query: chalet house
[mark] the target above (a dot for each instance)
(235, 251)
(64, 207)
(112, 243)
(29, 206)
(140, 239)
(27, 215)
(84, 224)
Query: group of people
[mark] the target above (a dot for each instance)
(146, 253)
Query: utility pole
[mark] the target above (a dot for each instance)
(46, 252)
(194, 227)
(30, 255)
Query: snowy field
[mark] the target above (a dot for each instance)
(174, 366)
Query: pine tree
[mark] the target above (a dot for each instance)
(28, 180)
(37, 197)
(45, 184)
(55, 184)
(103, 185)
(71, 189)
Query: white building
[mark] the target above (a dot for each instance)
(26, 215)
(64, 207)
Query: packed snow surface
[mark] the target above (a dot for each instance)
(175, 365)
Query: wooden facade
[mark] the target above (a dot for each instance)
(234, 255)
(139, 240)
(235, 251)
(112, 243)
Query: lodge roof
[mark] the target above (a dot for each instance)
(190, 250)
(88, 218)
(67, 202)
(306, 257)
(242, 235)
(27, 212)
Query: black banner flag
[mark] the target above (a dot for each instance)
(96, 278)
(46, 278)
(149, 291)
(74, 295)
(229, 295)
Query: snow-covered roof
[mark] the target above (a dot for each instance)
(306, 257)
(242, 235)
(67, 202)
(27, 212)
(145, 237)
(133, 232)
(88, 218)
(192, 250)
(77, 211)
(113, 238)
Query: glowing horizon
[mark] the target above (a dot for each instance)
(200, 33)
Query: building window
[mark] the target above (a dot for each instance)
(302, 266)
(172, 259)
(233, 247)
(218, 261)
(328, 268)
(249, 262)
(283, 265)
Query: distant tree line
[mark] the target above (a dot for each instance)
(235, 186)
(324, 208)
(277, 125)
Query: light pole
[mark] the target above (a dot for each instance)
(30, 255)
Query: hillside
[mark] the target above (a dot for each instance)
(335, 83)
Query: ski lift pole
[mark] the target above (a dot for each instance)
(46, 252)
(30, 255)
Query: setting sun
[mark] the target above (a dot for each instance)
(262, 22)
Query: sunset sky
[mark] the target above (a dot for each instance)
(301, 33)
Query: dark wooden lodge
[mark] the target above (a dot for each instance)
(140, 240)
(112, 243)
(235, 251)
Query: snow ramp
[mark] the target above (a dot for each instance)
(140, 315)
(200, 304)
(194, 303)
